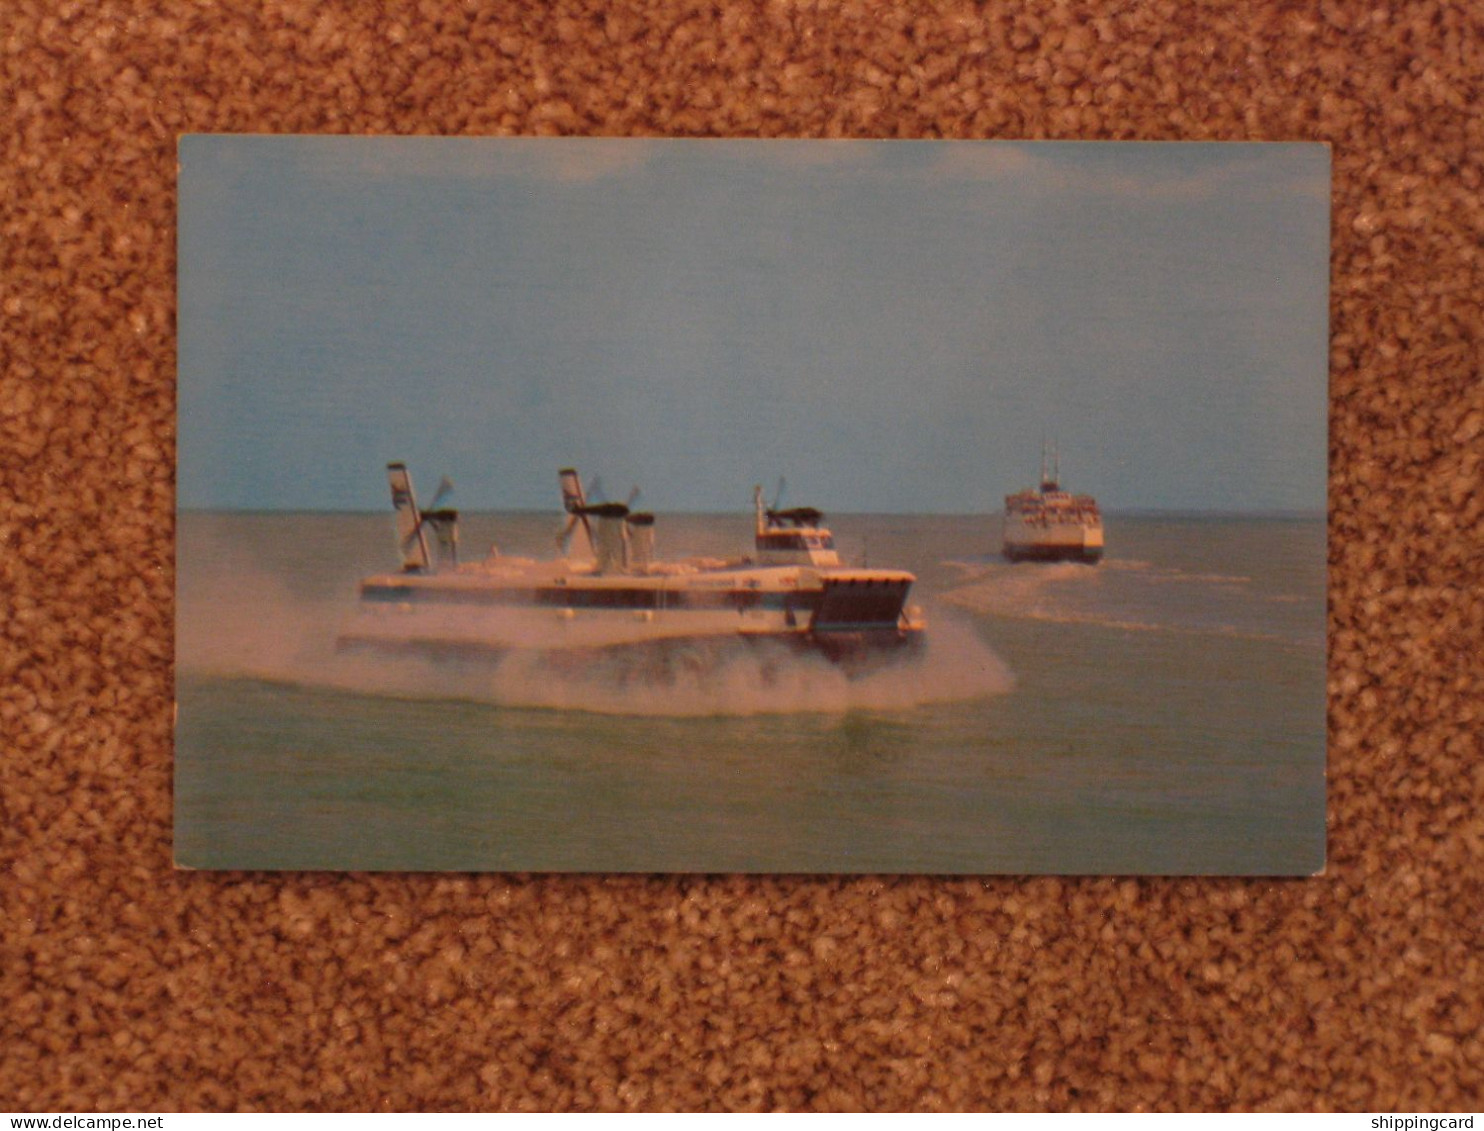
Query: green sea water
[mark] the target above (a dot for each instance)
(1160, 713)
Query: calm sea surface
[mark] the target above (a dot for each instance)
(1162, 712)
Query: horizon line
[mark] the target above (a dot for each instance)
(1291, 513)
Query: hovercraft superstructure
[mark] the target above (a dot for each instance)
(607, 587)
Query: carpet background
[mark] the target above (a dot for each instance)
(125, 985)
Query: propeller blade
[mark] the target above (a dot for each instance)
(778, 494)
(445, 487)
(633, 497)
(595, 490)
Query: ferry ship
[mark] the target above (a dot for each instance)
(606, 588)
(1051, 525)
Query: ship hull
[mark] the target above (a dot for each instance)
(1088, 555)
(1055, 540)
(855, 652)
(841, 615)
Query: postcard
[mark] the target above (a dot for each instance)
(609, 505)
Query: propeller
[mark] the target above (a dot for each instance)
(798, 516)
(442, 521)
(596, 494)
(445, 488)
(582, 505)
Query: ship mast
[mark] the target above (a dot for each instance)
(1053, 482)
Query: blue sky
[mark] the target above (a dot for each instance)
(891, 325)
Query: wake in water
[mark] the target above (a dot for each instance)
(1061, 592)
(257, 629)
(1128, 595)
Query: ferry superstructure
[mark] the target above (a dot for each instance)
(606, 588)
(1052, 525)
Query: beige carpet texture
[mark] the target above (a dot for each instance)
(125, 984)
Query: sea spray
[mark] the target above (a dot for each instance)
(739, 678)
(254, 608)
(260, 630)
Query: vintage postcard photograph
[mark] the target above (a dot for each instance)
(613, 505)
